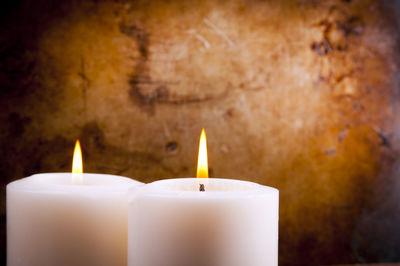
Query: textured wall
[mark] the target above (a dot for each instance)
(300, 95)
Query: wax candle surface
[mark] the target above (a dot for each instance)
(51, 221)
(232, 223)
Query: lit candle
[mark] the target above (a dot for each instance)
(201, 222)
(68, 219)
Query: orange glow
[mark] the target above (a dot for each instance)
(77, 168)
(202, 161)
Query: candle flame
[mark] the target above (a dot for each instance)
(77, 167)
(202, 162)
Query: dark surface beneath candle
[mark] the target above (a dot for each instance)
(301, 95)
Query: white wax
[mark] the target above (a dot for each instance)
(51, 221)
(232, 223)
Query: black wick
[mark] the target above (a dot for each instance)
(202, 188)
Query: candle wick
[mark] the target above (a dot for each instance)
(202, 188)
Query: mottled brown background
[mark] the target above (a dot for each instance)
(300, 95)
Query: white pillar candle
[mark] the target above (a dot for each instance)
(232, 223)
(52, 221)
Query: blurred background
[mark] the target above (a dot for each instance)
(301, 95)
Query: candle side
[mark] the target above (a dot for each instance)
(235, 223)
(51, 221)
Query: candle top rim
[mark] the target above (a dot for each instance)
(215, 187)
(56, 182)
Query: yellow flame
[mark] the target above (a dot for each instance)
(202, 161)
(77, 168)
